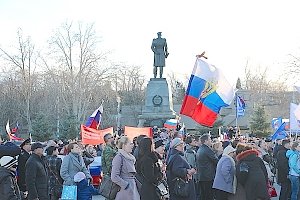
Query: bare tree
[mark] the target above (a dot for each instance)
(78, 65)
(24, 62)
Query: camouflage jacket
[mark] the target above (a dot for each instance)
(107, 156)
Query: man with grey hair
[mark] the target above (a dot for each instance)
(206, 162)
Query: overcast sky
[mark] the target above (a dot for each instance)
(262, 32)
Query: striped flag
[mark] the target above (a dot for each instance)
(94, 120)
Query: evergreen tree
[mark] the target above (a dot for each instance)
(259, 125)
(41, 128)
(70, 128)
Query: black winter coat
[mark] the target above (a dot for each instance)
(149, 170)
(206, 162)
(36, 178)
(177, 167)
(255, 181)
(282, 165)
(21, 169)
(9, 189)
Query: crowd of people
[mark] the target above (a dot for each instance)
(168, 165)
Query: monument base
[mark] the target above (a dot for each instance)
(158, 104)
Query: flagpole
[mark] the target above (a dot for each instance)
(236, 117)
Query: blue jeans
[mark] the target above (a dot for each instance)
(295, 186)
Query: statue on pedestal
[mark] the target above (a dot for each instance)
(160, 49)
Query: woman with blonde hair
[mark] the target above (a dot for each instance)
(123, 171)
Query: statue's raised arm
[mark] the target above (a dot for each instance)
(160, 50)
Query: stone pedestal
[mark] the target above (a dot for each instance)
(158, 104)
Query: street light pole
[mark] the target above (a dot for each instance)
(119, 114)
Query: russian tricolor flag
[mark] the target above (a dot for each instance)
(171, 123)
(95, 119)
(208, 91)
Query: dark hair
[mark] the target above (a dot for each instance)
(284, 142)
(294, 145)
(139, 138)
(189, 139)
(50, 150)
(242, 147)
(106, 136)
(145, 147)
(71, 146)
(204, 138)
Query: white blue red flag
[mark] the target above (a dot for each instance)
(208, 91)
(240, 106)
(10, 134)
(171, 123)
(94, 120)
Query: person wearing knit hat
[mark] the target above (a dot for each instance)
(178, 167)
(8, 162)
(225, 182)
(159, 147)
(9, 189)
(176, 142)
(85, 190)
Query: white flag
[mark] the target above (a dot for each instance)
(294, 123)
(297, 112)
(297, 88)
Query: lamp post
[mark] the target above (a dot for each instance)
(119, 113)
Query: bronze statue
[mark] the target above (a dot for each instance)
(160, 49)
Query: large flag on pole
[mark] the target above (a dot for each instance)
(94, 120)
(280, 132)
(240, 106)
(294, 123)
(11, 135)
(208, 91)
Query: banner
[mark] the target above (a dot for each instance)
(132, 132)
(240, 106)
(94, 136)
(294, 123)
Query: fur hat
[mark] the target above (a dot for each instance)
(8, 161)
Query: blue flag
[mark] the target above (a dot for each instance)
(280, 133)
(240, 106)
(276, 123)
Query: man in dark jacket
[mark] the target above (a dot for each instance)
(206, 162)
(36, 175)
(283, 170)
(25, 150)
(9, 189)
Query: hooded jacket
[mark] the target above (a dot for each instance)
(294, 162)
(9, 189)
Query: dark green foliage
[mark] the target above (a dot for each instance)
(70, 128)
(41, 128)
(259, 125)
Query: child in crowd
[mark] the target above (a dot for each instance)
(84, 189)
